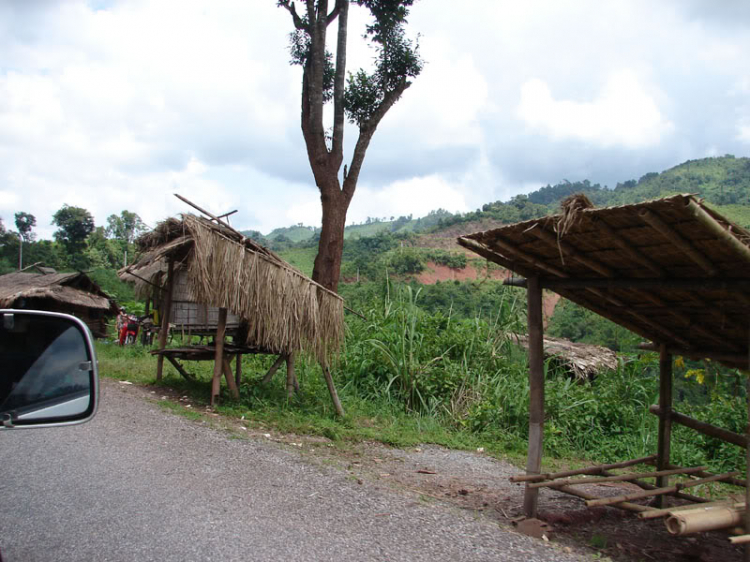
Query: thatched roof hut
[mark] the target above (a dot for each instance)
(71, 293)
(285, 311)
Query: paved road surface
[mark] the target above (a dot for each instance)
(140, 484)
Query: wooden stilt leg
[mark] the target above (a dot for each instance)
(230, 379)
(238, 370)
(219, 356)
(291, 378)
(275, 367)
(166, 308)
(536, 391)
(332, 391)
(665, 420)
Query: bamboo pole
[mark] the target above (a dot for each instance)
(620, 241)
(536, 391)
(665, 420)
(703, 217)
(698, 520)
(166, 310)
(656, 513)
(730, 284)
(699, 354)
(219, 355)
(741, 539)
(571, 251)
(616, 478)
(733, 481)
(681, 495)
(658, 491)
(588, 470)
(238, 369)
(623, 505)
(533, 260)
(703, 427)
(676, 238)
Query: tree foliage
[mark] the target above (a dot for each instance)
(24, 223)
(364, 99)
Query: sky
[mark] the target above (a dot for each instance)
(119, 104)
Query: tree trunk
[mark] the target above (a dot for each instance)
(327, 268)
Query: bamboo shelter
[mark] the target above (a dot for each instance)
(70, 293)
(671, 270)
(276, 309)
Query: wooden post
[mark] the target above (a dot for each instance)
(536, 391)
(332, 390)
(291, 378)
(747, 460)
(221, 330)
(166, 307)
(238, 370)
(665, 419)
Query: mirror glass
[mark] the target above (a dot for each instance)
(47, 369)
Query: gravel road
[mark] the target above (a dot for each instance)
(140, 483)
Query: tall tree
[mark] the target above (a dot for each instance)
(127, 227)
(24, 223)
(74, 224)
(364, 99)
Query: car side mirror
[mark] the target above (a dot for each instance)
(48, 370)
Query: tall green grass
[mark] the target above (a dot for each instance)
(407, 376)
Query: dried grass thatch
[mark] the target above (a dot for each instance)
(286, 312)
(72, 289)
(584, 361)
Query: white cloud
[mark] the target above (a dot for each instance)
(622, 114)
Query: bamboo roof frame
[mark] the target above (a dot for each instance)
(672, 270)
(667, 270)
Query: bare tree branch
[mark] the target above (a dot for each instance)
(339, 84)
(366, 131)
(298, 23)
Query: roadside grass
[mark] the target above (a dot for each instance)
(309, 413)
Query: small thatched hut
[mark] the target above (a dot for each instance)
(581, 360)
(276, 308)
(71, 293)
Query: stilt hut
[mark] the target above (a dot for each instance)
(70, 293)
(209, 278)
(671, 270)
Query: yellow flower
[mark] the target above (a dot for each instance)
(679, 362)
(699, 374)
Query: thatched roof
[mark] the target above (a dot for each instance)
(583, 360)
(75, 289)
(285, 310)
(672, 270)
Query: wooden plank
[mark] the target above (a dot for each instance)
(598, 469)
(218, 356)
(616, 477)
(165, 312)
(536, 391)
(665, 420)
(704, 428)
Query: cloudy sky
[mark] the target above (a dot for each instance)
(113, 105)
